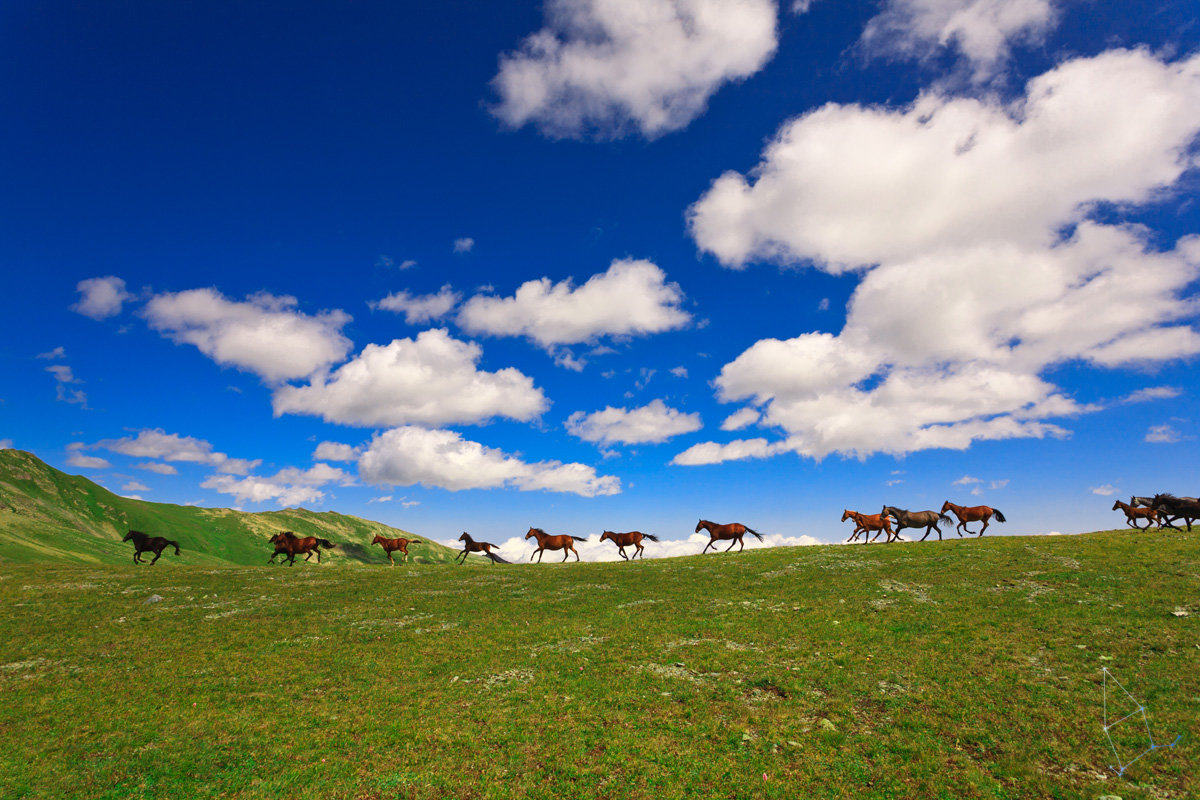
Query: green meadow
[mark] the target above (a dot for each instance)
(959, 669)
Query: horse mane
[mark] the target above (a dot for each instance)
(539, 530)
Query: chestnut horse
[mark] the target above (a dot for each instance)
(916, 519)
(473, 546)
(292, 545)
(865, 523)
(967, 514)
(148, 544)
(561, 542)
(732, 530)
(390, 545)
(1135, 513)
(623, 540)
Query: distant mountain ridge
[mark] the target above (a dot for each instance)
(49, 516)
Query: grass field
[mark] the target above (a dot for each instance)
(963, 669)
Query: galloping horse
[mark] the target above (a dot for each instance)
(473, 546)
(292, 545)
(623, 540)
(1134, 513)
(145, 544)
(967, 514)
(1174, 508)
(916, 519)
(561, 542)
(865, 523)
(390, 545)
(732, 530)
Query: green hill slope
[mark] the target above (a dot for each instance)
(49, 516)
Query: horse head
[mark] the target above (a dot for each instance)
(534, 532)
(1116, 505)
(466, 537)
(128, 536)
(700, 525)
(847, 514)
(377, 540)
(607, 535)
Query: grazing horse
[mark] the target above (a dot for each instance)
(865, 523)
(473, 546)
(1172, 508)
(967, 514)
(390, 545)
(562, 542)
(623, 540)
(292, 545)
(916, 519)
(732, 530)
(1134, 513)
(144, 544)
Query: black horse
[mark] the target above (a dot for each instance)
(145, 544)
(916, 519)
(1172, 508)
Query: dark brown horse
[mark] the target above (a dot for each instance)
(1171, 509)
(562, 542)
(148, 544)
(1133, 513)
(916, 519)
(865, 523)
(623, 540)
(967, 514)
(292, 545)
(391, 545)
(732, 530)
(473, 546)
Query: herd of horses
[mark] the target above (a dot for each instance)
(1162, 509)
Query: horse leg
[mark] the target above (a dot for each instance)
(928, 531)
(389, 555)
(731, 544)
(710, 544)
(621, 553)
(135, 557)
(984, 528)
(641, 551)
(156, 555)
(573, 550)
(567, 552)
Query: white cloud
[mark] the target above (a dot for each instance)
(440, 458)
(714, 453)
(953, 211)
(161, 469)
(982, 31)
(430, 380)
(631, 298)
(464, 245)
(64, 377)
(606, 68)
(679, 372)
(965, 480)
(651, 424)
(78, 459)
(159, 444)
(288, 487)
(1151, 393)
(135, 486)
(100, 298)
(742, 418)
(57, 352)
(1105, 490)
(335, 451)
(6, 444)
(419, 309)
(264, 334)
(1163, 434)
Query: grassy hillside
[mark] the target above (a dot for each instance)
(49, 516)
(960, 669)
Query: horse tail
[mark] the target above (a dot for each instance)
(756, 533)
(579, 538)
(415, 541)
(497, 558)
(999, 516)
(324, 542)
(947, 520)
(175, 545)
(650, 536)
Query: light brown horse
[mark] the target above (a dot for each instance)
(292, 545)
(623, 540)
(473, 546)
(391, 545)
(732, 530)
(562, 542)
(865, 523)
(967, 514)
(1135, 513)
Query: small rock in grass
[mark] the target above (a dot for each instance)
(154, 598)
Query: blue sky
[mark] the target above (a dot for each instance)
(605, 265)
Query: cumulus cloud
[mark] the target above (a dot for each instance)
(157, 443)
(101, 298)
(968, 222)
(631, 298)
(154, 466)
(288, 487)
(79, 459)
(742, 418)
(419, 309)
(440, 458)
(430, 380)
(135, 486)
(1104, 490)
(714, 453)
(264, 334)
(335, 451)
(518, 549)
(651, 424)
(605, 68)
(981, 31)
